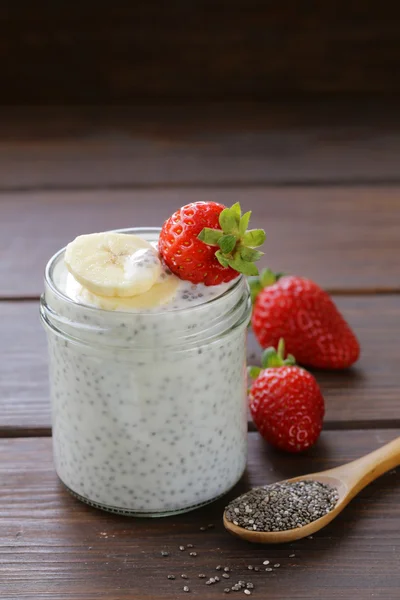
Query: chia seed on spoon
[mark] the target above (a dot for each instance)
(282, 506)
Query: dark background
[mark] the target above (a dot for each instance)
(193, 50)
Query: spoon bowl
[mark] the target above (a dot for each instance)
(348, 479)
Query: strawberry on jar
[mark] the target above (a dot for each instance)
(206, 242)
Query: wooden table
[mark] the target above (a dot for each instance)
(326, 188)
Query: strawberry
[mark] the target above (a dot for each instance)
(205, 242)
(285, 402)
(305, 316)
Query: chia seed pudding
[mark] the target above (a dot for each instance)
(148, 404)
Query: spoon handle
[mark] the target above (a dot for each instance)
(362, 471)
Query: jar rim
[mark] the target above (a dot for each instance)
(52, 262)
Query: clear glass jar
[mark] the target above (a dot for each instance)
(148, 408)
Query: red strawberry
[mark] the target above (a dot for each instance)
(205, 242)
(305, 316)
(285, 402)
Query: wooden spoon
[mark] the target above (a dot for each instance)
(348, 479)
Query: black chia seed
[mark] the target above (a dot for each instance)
(282, 506)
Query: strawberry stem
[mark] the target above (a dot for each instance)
(253, 372)
(236, 244)
(272, 358)
(265, 279)
(275, 358)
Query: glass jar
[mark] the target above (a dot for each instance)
(148, 408)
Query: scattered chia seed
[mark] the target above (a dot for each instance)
(202, 528)
(192, 553)
(268, 569)
(225, 575)
(181, 548)
(250, 567)
(184, 576)
(266, 562)
(248, 592)
(277, 565)
(163, 553)
(227, 590)
(292, 555)
(216, 578)
(186, 589)
(171, 577)
(226, 569)
(189, 546)
(250, 586)
(282, 506)
(202, 576)
(257, 569)
(218, 568)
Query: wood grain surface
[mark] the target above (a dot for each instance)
(52, 546)
(366, 395)
(300, 172)
(152, 51)
(247, 144)
(345, 239)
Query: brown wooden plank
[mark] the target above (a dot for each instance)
(52, 546)
(345, 239)
(367, 395)
(283, 144)
(145, 51)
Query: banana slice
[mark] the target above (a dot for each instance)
(113, 264)
(161, 293)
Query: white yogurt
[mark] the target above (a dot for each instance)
(149, 405)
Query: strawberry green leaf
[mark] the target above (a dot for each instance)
(254, 237)
(227, 243)
(253, 372)
(270, 359)
(221, 259)
(210, 236)
(276, 358)
(290, 360)
(255, 288)
(249, 254)
(244, 223)
(236, 211)
(229, 219)
(242, 266)
(267, 278)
